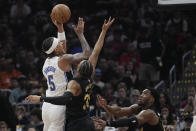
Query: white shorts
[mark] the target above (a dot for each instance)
(193, 126)
(53, 117)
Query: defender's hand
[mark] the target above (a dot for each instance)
(33, 98)
(99, 123)
(79, 29)
(107, 24)
(102, 102)
(98, 127)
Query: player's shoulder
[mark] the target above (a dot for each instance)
(73, 82)
(148, 112)
(64, 57)
(135, 106)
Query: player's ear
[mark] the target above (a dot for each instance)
(152, 99)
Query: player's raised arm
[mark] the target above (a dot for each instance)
(61, 33)
(69, 58)
(79, 30)
(99, 44)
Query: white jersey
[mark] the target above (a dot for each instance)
(193, 126)
(54, 115)
(56, 78)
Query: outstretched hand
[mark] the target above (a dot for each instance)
(79, 29)
(33, 98)
(107, 24)
(102, 102)
(99, 123)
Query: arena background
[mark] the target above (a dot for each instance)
(170, 28)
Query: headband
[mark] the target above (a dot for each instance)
(54, 44)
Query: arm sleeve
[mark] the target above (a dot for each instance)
(58, 100)
(131, 121)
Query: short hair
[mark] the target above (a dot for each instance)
(47, 43)
(155, 95)
(85, 69)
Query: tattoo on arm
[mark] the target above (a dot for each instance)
(85, 46)
(68, 58)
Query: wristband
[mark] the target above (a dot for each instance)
(131, 121)
(61, 36)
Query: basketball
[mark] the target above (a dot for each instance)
(61, 13)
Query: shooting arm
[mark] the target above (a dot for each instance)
(61, 34)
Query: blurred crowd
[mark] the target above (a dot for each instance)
(140, 48)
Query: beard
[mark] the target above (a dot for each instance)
(142, 103)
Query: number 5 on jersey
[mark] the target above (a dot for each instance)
(51, 83)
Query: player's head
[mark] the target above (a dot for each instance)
(149, 97)
(52, 46)
(85, 69)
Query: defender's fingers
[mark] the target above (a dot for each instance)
(109, 19)
(112, 21)
(105, 21)
(80, 20)
(100, 97)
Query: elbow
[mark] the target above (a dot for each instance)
(118, 114)
(87, 53)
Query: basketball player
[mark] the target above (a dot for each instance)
(78, 93)
(193, 126)
(57, 70)
(142, 115)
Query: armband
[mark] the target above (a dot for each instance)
(131, 121)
